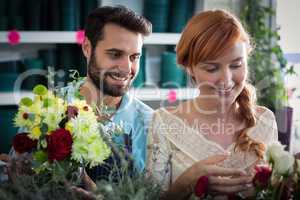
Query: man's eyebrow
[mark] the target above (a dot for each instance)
(114, 50)
(120, 51)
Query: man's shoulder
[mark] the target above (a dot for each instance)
(142, 106)
(138, 105)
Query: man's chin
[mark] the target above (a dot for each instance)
(115, 91)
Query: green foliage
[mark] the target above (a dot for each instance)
(138, 187)
(36, 187)
(267, 64)
(40, 90)
(26, 101)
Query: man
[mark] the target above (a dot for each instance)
(112, 47)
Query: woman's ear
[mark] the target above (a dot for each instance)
(190, 71)
(86, 48)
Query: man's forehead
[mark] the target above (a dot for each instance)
(119, 38)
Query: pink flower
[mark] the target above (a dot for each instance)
(80, 35)
(72, 112)
(262, 176)
(13, 37)
(172, 96)
(201, 186)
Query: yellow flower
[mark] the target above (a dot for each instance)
(82, 105)
(22, 119)
(69, 127)
(35, 133)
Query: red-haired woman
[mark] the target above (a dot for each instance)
(222, 133)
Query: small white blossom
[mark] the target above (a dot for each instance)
(284, 164)
(274, 151)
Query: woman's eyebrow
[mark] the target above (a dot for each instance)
(237, 59)
(217, 63)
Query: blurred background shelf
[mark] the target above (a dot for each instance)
(69, 37)
(145, 94)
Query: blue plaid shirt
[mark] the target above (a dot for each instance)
(135, 116)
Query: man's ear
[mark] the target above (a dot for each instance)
(86, 48)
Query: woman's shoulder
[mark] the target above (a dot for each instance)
(165, 111)
(266, 127)
(263, 112)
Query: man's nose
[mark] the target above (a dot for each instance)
(125, 65)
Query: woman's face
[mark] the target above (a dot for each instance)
(223, 78)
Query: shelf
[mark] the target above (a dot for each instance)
(50, 37)
(144, 94)
(158, 94)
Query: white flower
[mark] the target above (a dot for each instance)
(284, 164)
(298, 166)
(84, 124)
(274, 151)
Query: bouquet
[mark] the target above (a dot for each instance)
(60, 136)
(280, 179)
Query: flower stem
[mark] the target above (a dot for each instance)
(282, 185)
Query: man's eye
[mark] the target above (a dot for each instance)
(115, 55)
(135, 57)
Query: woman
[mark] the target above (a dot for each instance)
(222, 133)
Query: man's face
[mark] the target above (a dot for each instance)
(114, 62)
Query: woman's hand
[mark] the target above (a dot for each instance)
(19, 165)
(88, 183)
(221, 180)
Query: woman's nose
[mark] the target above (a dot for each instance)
(226, 78)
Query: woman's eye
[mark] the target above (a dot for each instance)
(235, 66)
(211, 68)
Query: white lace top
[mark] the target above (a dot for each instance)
(173, 146)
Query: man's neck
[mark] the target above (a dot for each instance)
(94, 96)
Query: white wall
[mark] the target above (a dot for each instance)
(288, 18)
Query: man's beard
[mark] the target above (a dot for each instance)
(99, 79)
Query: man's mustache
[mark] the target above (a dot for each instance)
(118, 74)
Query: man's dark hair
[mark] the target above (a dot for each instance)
(118, 15)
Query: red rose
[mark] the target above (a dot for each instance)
(201, 186)
(22, 143)
(262, 176)
(59, 144)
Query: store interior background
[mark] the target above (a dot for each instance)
(158, 66)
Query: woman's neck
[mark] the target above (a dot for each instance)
(213, 109)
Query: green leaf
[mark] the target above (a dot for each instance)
(48, 102)
(44, 143)
(40, 156)
(26, 101)
(44, 128)
(40, 90)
